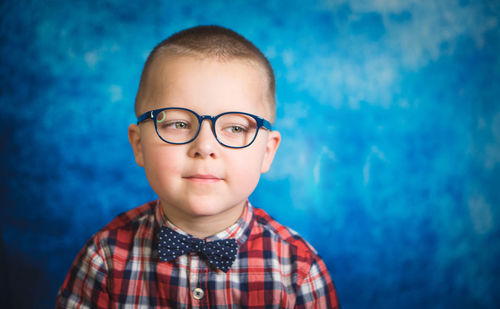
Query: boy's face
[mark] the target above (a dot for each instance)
(204, 179)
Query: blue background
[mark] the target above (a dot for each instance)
(390, 119)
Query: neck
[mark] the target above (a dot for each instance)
(202, 226)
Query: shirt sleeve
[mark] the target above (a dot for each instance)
(85, 283)
(317, 289)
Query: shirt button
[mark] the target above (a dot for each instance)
(198, 293)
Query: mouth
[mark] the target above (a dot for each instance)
(203, 178)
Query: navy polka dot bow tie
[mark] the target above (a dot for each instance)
(219, 253)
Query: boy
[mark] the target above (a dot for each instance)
(205, 105)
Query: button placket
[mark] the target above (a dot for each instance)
(196, 279)
(198, 293)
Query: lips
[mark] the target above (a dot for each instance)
(203, 178)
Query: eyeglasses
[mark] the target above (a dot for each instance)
(176, 125)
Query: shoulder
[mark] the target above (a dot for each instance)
(133, 218)
(120, 233)
(294, 255)
(106, 252)
(283, 233)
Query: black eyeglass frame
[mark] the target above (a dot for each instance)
(152, 114)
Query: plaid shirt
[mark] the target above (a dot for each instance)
(119, 267)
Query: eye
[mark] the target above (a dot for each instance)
(235, 129)
(178, 125)
(174, 125)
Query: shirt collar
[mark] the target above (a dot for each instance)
(238, 231)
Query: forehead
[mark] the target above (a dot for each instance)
(209, 84)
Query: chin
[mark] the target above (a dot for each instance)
(207, 207)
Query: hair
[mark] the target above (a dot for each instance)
(215, 42)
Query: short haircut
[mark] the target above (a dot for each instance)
(214, 42)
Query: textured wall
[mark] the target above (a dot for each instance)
(390, 119)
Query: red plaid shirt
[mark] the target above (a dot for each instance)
(119, 267)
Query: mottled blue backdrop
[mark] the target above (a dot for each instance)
(389, 112)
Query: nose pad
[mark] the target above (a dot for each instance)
(205, 144)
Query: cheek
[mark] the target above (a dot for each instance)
(162, 162)
(246, 171)
(244, 180)
(245, 168)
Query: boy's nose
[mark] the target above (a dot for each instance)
(205, 144)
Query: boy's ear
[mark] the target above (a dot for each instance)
(273, 141)
(134, 137)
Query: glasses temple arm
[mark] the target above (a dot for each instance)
(145, 116)
(266, 124)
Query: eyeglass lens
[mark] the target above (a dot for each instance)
(181, 126)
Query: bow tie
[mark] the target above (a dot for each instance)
(219, 253)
